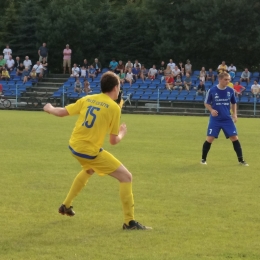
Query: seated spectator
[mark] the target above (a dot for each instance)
(97, 66)
(137, 63)
(245, 76)
(188, 67)
(210, 76)
(87, 88)
(203, 74)
(113, 65)
(171, 64)
(129, 77)
(136, 72)
(178, 83)
(143, 73)
(232, 70)
(75, 71)
(161, 68)
(167, 73)
(152, 73)
(128, 65)
(222, 67)
(176, 72)
(5, 74)
(169, 82)
(182, 72)
(83, 72)
(2, 62)
(187, 82)
(86, 64)
(180, 65)
(17, 62)
(25, 74)
(255, 89)
(121, 76)
(44, 66)
(39, 70)
(201, 89)
(120, 67)
(20, 69)
(10, 63)
(33, 74)
(238, 89)
(92, 72)
(78, 86)
(27, 63)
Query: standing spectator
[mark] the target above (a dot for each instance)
(245, 76)
(87, 88)
(238, 89)
(43, 52)
(137, 63)
(187, 81)
(129, 77)
(27, 62)
(67, 58)
(113, 65)
(45, 66)
(152, 73)
(136, 72)
(120, 67)
(2, 63)
(171, 64)
(201, 89)
(7, 52)
(188, 67)
(232, 70)
(92, 72)
(143, 73)
(75, 71)
(10, 63)
(178, 83)
(128, 65)
(20, 69)
(222, 67)
(39, 70)
(255, 88)
(25, 75)
(83, 72)
(169, 82)
(176, 72)
(161, 68)
(17, 62)
(210, 75)
(121, 76)
(97, 66)
(203, 74)
(5, 74)
(77, 86)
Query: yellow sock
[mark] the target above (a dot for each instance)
(127, 200)
(78, 184)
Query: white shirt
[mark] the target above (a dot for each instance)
(10, 63)
(176, 72)
(6, 53)
(172, 65)
(233, 68)
(255, 88)
(129, 75)
(129, 65)
(27, 63)
(38, 68)
(83, 73)
(152, 71)
(138, 64)
(75, 71)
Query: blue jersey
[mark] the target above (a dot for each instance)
(220, 100)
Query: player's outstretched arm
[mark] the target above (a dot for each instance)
(115, 139)
(56, 111)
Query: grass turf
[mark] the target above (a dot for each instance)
(197, 211)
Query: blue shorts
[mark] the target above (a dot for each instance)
(227, 126)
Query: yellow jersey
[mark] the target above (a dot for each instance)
(98, 115)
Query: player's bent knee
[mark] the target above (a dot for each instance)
(233, 138)
(210, 139)
(122, 174)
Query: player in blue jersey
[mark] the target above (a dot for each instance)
(218, 101)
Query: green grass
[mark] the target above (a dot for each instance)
(197, 212)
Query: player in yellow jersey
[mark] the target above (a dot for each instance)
(98, 115)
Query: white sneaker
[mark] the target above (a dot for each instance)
(243, 163)
(203, 162)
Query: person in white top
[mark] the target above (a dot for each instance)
(255, 88)
(7, 52)
(232, 70)
(83, 72)
(152, 73)
(137, 63)
(10, 63)
(176, 72)
(129, 76)
(128, 65)
(27, 62)
(75, 71)
(38, 69)
(171, 64)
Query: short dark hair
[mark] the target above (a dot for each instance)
(108, 81)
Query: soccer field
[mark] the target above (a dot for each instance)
(197, 211)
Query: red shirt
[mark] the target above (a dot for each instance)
(238, 88)
(170, 80)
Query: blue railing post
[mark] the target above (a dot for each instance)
(254, 104)
(158, 101)
(63, 96)
(16, 94)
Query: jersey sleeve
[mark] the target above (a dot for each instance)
(74, 109)
(233, 97)
(208, 98)
(114, 126)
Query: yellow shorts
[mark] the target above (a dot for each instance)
(104, 163)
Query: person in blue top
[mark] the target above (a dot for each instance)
(113, 64)
(218, 101)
